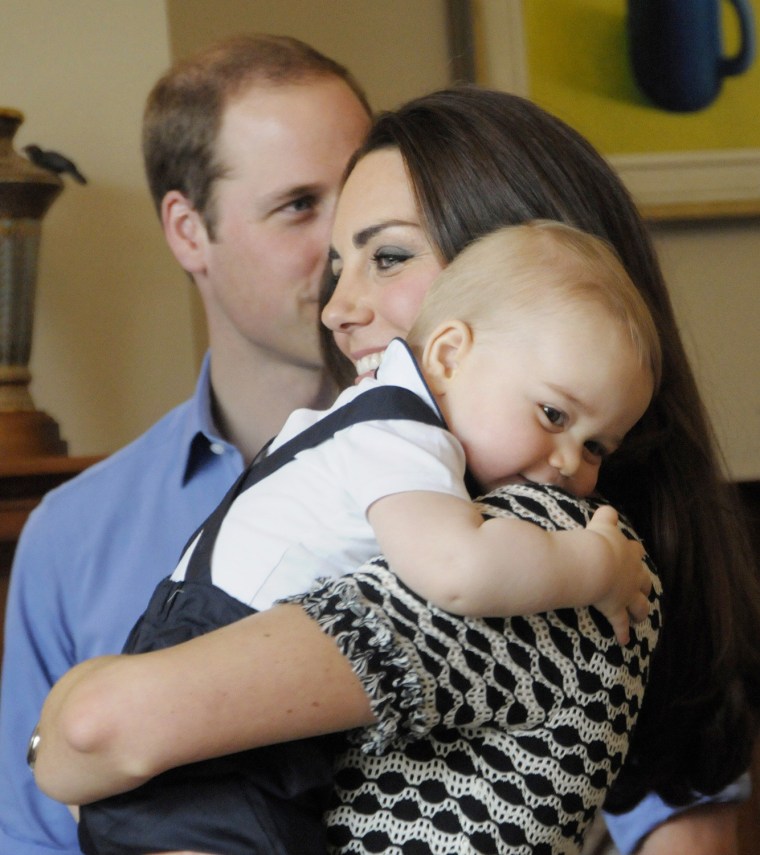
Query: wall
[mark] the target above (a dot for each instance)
(713, 272)
(396, 48)
(112, 346)
(113, 343)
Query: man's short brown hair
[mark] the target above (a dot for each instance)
(184, 111)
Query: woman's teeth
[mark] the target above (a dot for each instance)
(369, 363)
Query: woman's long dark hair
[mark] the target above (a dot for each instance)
(479, 159)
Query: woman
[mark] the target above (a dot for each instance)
(520, 161)
(475, 160)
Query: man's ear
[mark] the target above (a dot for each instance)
(445, 349)
(185, 232)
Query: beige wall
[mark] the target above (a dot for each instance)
(112, 346)
(113, 336)
(396, 48)
(713, 271)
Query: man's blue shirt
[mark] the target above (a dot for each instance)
(86, 564)
(627, 829)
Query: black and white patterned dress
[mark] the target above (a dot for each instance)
(493, 735)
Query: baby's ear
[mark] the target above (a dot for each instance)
(444, 350)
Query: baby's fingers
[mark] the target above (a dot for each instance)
(621, 625)
(604, 515)
(638, 609)
(646, 580)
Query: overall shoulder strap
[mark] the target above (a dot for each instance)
(382, 402)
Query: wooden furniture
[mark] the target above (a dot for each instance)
(23, 483)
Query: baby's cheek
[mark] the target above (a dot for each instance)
(586, 484)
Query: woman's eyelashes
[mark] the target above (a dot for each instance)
(388, 257)
(385, 260)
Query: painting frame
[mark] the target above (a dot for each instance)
(680, 185)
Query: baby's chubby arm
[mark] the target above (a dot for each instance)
(441, 547)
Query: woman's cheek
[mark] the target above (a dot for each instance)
(409, 303)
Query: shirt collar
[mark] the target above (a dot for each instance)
(202, 438)
(400, 366)
(400, 363)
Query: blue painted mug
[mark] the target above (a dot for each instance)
(676, 50)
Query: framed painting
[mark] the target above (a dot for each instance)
(571, 57)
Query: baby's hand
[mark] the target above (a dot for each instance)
(630, 581)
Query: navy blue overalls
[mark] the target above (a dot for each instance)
(268, 800)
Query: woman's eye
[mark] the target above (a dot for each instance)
(555, 417)
(389, 257)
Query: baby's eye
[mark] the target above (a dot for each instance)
(555, 417)
(596, 449)
(388, 257)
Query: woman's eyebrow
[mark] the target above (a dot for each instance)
(362, 237)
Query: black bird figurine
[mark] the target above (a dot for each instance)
(53, 162)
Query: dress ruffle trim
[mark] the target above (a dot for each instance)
(386, 672)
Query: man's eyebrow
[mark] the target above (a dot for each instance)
(281, 197)
(362, 237)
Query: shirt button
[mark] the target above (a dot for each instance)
(217, 448)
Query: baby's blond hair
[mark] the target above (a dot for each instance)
(533, 267)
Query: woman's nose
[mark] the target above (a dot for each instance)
(345, 309)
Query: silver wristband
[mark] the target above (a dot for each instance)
(31, 751)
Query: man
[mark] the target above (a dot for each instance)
(244, 145)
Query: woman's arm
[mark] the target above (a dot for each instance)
(269, 678)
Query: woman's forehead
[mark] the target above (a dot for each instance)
(378, 189)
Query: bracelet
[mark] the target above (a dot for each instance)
(31, 751)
